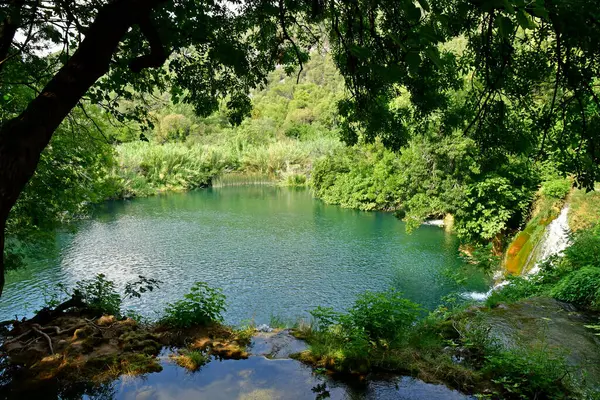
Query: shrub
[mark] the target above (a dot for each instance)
(100, 295)
(517, 289)
(585, 249)
(581, 287)
(530, 374)
(556, 188)
(381, 315)
(173, 128)
(202, 306)
(377, 322)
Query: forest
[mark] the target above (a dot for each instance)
(480, 116)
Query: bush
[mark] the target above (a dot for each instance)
(100, 295)
(202, 306)
(376, 323)
(517, 289)
(530, 374)
(584, 251)
(556, 188)
(382, 315)
(173, 128)
(581, 287)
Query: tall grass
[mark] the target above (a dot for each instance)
(147, 168)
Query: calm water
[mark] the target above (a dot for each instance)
(274, 251)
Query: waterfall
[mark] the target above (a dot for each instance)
(554, 242)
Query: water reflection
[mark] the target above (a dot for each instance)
(258, 378)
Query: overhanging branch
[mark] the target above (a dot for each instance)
(158, 55)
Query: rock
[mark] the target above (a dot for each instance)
(82, 333)
(278, 345)
(264, 328)
(106, 320)
(547, 322)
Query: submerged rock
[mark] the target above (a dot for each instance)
(276, 345)
(548, 322)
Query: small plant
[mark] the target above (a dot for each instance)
(202, 306)
(100, 295)
(382, 315)
(141, 286)
(278, 322)
(193, 360)
(557, 188)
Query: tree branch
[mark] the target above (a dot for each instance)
(158, 55)
(9, 27)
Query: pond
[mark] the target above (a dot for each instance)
(274, 252)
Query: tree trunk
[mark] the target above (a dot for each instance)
(23, 138)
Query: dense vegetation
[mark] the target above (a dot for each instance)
(486, 111)
(453, 344)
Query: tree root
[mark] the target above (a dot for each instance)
(34, 327)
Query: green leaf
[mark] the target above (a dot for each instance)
(428, 32)
(539, 9)
(524, 21)
(413, 60)
(434, 55)
(508, 6)
(412, 12)
(425, 5)
(505, 26)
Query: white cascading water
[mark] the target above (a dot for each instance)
(554, 242)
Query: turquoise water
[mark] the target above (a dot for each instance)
(273, 251)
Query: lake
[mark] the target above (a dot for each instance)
(274, 252)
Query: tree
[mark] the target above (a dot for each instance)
(214, 51)
(528, 68)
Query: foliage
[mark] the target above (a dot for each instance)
(140, 286)
(580, 287)
(203, 305)
(72, 174)
(516, 289)
(584, 209)
(584, 249)
(530, 373)
(193, 360)
(493, 205)
(433, 176)
(483, 257)
(377, 321)
(100, 295)
(382, 315)
(556, 188)
(173, 128)
(363, 178)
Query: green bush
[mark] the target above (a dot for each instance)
(518, 288)
(202, 306)
(100, 295)
(376, 323)
(556, 188)
(530, 374)
(580, 287)
(584, 250)
(382, 315)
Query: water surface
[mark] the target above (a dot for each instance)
(274, 251)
